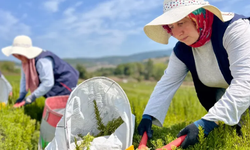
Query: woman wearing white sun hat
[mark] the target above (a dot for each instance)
(43, 73)
(215, 47)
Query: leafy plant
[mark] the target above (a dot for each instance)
(104, 129)
(111, 125)
(85, 143)
(19, 128)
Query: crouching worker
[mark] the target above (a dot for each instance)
(42, 72)
(5, 90)
(212, 45)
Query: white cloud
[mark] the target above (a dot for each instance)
(10, 26)
(69, 11)
(106, 26)
(78, 4)
(52, 5)
(105, 16)
(122, 9)
(50, 35)
(24, 16)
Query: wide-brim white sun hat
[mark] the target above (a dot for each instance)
(22, 45)
(174, 11)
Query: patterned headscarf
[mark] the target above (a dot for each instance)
(203, 20)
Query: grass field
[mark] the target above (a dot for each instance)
(19, 128)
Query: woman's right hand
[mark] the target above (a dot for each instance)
(21, 98)
(145, 126)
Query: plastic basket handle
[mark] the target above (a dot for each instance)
(144, 141)
(176, 143)
(19, 104)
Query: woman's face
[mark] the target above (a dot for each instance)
(22, 58)
(185, 31)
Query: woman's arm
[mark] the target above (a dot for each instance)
(23, 83)
(236, 99)
(165, 89)
(44, 67)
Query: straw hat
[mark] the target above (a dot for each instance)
(174, 11)
(22, 45)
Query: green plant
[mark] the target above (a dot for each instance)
(85, 143)
(19, 128)
(104, 129)
(111, 125)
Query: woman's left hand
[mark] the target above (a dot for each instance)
(192, 131)
(30, 99)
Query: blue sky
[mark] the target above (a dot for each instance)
(89, 28)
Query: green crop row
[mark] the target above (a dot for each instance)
(19, 128)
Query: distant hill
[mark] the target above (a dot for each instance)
(115, 60)
(112, 61)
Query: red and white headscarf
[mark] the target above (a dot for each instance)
(203, 20)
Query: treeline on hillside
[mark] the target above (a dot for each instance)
(8, 67)
(138, 70)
